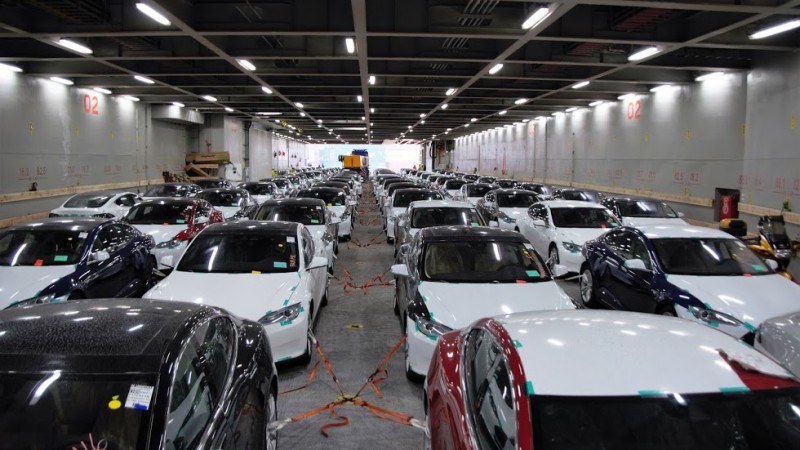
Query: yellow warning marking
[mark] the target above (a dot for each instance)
(646, 137)
(686, 192)
(793, 122)
(688, 134)
(354, 326)
(744, 130)
(76, 131)
(30, 127)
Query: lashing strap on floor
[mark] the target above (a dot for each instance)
(349, 286)
(343, 399)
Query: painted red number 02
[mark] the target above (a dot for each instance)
(634, 109)
(90, 104)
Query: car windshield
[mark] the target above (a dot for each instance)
(482, 262)
(506, 183)
(712, 256)
(452, 185)
(157, 214)
(280, 183)
(167, 190)
(403, 199)
(470, 177)
(751, 420)
(56, 410)
(583, 196)
(41, 247)
(538, 188)
(305, 214)
(431, 217)
(583, 218)
(645, 208)
(259, 188)
(477, 190)
(88, 201)
(486, 179)
(224, 198)
(516, 199)
(210, 184)
(240, 253)
(331, 198)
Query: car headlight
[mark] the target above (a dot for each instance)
(431, 328)
(505, 217)
(571, 247)
(39, 300)
(172, 243)
(711, 317)
(282, 315)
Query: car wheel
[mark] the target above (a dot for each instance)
(552, 259)
(305, 358)
(410, 374)
(149, 270)
(76, 295)
(324, 301)
(396, 308)
(587, 291)
(390, 240)
(272, 419)
(667, 309)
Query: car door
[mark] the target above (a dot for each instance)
(317, 278)
(132, 258)
(613, 276)
(407, 286)
(106, 277)
(123, 204)
(635, 285)
(538, 222)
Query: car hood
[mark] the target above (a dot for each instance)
(228, 211)
(641, 221)
(456, 305)
(77, 212)
(261, 198)
(337, 210)
(396, 211)
(474, 200)
(161, 233)
(255, 295)
(750, 299)
(579, 235)
(515, 213)
(23, 282)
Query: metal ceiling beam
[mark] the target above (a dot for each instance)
(360, 25)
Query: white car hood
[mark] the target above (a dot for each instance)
(749, 299)
(396, 211)
(261, 198)
(515, 213)
(243, 294)
(474, 200)
(228, 211)
(77, 212)
(579, 235)
(23, 282)
(161, 233)
(456, 305)
(641, 221)
(338, 210)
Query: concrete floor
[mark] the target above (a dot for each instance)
(355, 353)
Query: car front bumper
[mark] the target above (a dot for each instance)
(571, 260)
(287, 340)
(419, 348)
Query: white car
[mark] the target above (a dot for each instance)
(452, 187)
(398, 205)
(635, 212)
(452, 276)
(171, 190)
(105, 204)
(432, 213)
(559, 228)
(506, 206)
(234, 204)
(473, 192)
(780, 338)
(262, 271)
(337, 202)
(260, 191)
(313, 214)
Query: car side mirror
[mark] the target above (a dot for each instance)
(636, 264)
(317, 262)
(99, 256)
(772, 264)
(494, 223)
(401, 270)
(168, 261)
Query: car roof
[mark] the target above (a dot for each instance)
(632, 198)
(513, 191)
(439, 203)
(570, 204)
(295, 201)
(169, 201)
(104, 192)
(682, 231)
(60, 223)
(469, 233)
(647, 354)
(407, 190)
(96, 327)
(219, 190)
(322, 189)
(253, 227)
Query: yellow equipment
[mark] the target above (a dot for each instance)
(355, 162)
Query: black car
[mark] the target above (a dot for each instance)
(51, 260)
(213, 183)
(134, 374)
(506, 183)
(172, 190)
(583, 195)
(235, 204)
(545, 192)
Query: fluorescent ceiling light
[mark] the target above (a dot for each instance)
(277, 121)
(144, 79)
(359, 98)
(776, 29)
(626, 96)
(450, 91)
(643, 53)
(153, 14)
(709, 76)
(228, 109)
(445, 106)
(63, 81)
(372, 79)
(298, 104)
(595, 103)
(663, 87)
(536, 18)
(557, 113)
(526, 120)
(541, 118)
(268, 113)
(302, 114)
(246, 64)
(502, 113)
(466, 126)
(72, 45)
(350, 44)
(266, 90)
(580, 85)
(319, 121)
(421, 115)
(10, 67)
(473, 119)
(372, 110)
(520, 101)
(178, 104)
(131, 98)
(571, 109)
(363, 118)
(422, 122)
(209, 98)
(496, 68)
(371, 124)
(102, 90)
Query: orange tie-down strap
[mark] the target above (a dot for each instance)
(349, 286)
(343, 399)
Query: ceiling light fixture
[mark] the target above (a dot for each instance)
(445, 106)
(595, 103)
(144, 80)
(266, 90)
(131, 98)
(422, 122)
(503, 112)
(421, 115)
(178, 104)
(709, 76)
(9, 67)
(350, 43)
(372, 110)
(63, 81)
(536, 18)
(372, 79)
(246, 64)
(581, 84)
(209, 98)
(298, 104)
(153, 14)
(776, 29)
(520, 101)
(359, 98)
(102, 90)
(466, 126)
(643, 53)
(473, 119)
(450, 92)
(496, 68)
(663, 87)
(319, 121)
(72, 45)
(228, 109)
(569, 110)
(626, 96)
(302, 114)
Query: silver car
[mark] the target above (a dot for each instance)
(780, 338)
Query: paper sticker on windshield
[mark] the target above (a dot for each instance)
(279, 265)
(759, 267)
(139, 397)
(38, 262)
(290, 239)
(532, 273)
(314, 221)
(60, 258)
(83, 235)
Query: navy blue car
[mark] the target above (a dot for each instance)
(58, 259)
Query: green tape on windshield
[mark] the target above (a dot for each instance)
(532, 273)
(652, 393)
(424, 299)
(293, 288)
(60, 258)
(759, 267)
(475, 224)
(279, 265)
(529, 387)
(286, 323)
(749, 326)
(734, 389)
(314, 221)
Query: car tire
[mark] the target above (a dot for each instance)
(552, 259)
(272, 418)
(76, 295)
(587, 289)
(410, 374)
(324, 301)
(149, 270)
(390, 240)
(396, 308)
(305, 358)
(667, 309)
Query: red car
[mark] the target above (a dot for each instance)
(172, 222)
(590, 379)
